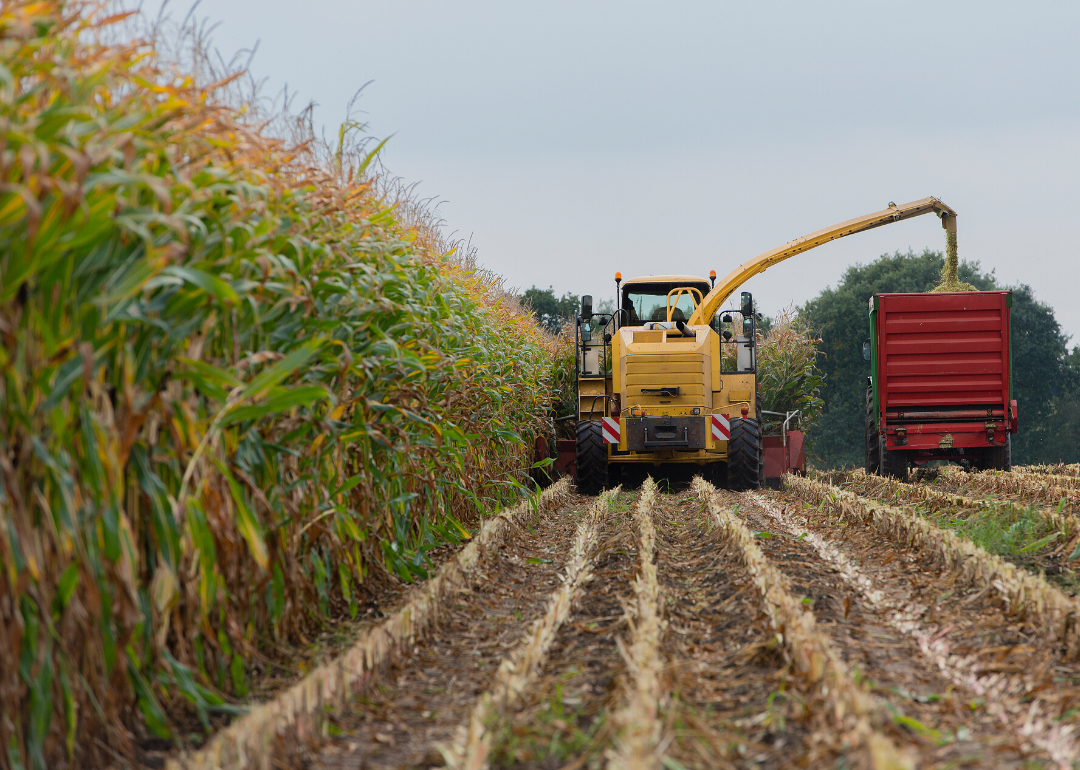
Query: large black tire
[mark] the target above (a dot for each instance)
(746, 462)
(998, 458)
(592, 464)
(873, 454)
(894, 462)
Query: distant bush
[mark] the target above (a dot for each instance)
(232, 387)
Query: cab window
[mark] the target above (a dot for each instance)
(649, 303)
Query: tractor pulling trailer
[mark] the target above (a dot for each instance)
(668, 379)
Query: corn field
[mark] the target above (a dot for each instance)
(234, 386)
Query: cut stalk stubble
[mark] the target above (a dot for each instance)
(1003, 694)
(249, 741)
(637, 741)
(1026, 596)
(881, 487)
(851, 707)
(519, 669)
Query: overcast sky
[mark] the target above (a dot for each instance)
(574, 139)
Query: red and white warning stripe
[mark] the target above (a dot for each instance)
(610, 427)
(721, 429)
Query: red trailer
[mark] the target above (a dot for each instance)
(785, 453)
(940, 385)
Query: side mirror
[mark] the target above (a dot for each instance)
(586, 332)
(748, 327)
(747, 304)
(866, 350)
(727, 319)
(586, 307)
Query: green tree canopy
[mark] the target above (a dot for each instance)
(1041, 377)
(551, 312)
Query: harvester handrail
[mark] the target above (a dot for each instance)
(678, 292)
(759, 264)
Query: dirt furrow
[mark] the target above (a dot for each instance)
(950, 724)
(519, 668)
(842, 696)
(400, 718)
(269, 728)
(734, 702)
(637, 722)
(1002, 694)
(563, 720)
(1026, 596)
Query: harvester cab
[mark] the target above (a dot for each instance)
(668, 378)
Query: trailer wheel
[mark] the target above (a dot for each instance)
(998, 458)
(592, 463)
(746, 464)
(893, 462)
(873, 453)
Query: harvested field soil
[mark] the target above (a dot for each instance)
(402, 717)
(733, 701)
(709, 629)
(943, 723)
(564, 717)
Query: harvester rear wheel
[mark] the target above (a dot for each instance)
(998, 458)
(873, 454)
(592, 462)
(746, 463)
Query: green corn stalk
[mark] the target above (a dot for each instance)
(231, 384)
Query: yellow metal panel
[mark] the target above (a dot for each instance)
(665, 378)
(663, 279)
(655, 406)
(714, 360)
(666, 358)
(648, 337)
(659, 367)
(592, 398)
(737, 388)
(616, 363)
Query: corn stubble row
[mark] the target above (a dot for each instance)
(1071, 470)
(1026, 486)
(1026, 596)
(519, 669)
(637, 721)
(852, 708)
(885, 487)
(232, 386)
(250, 742)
